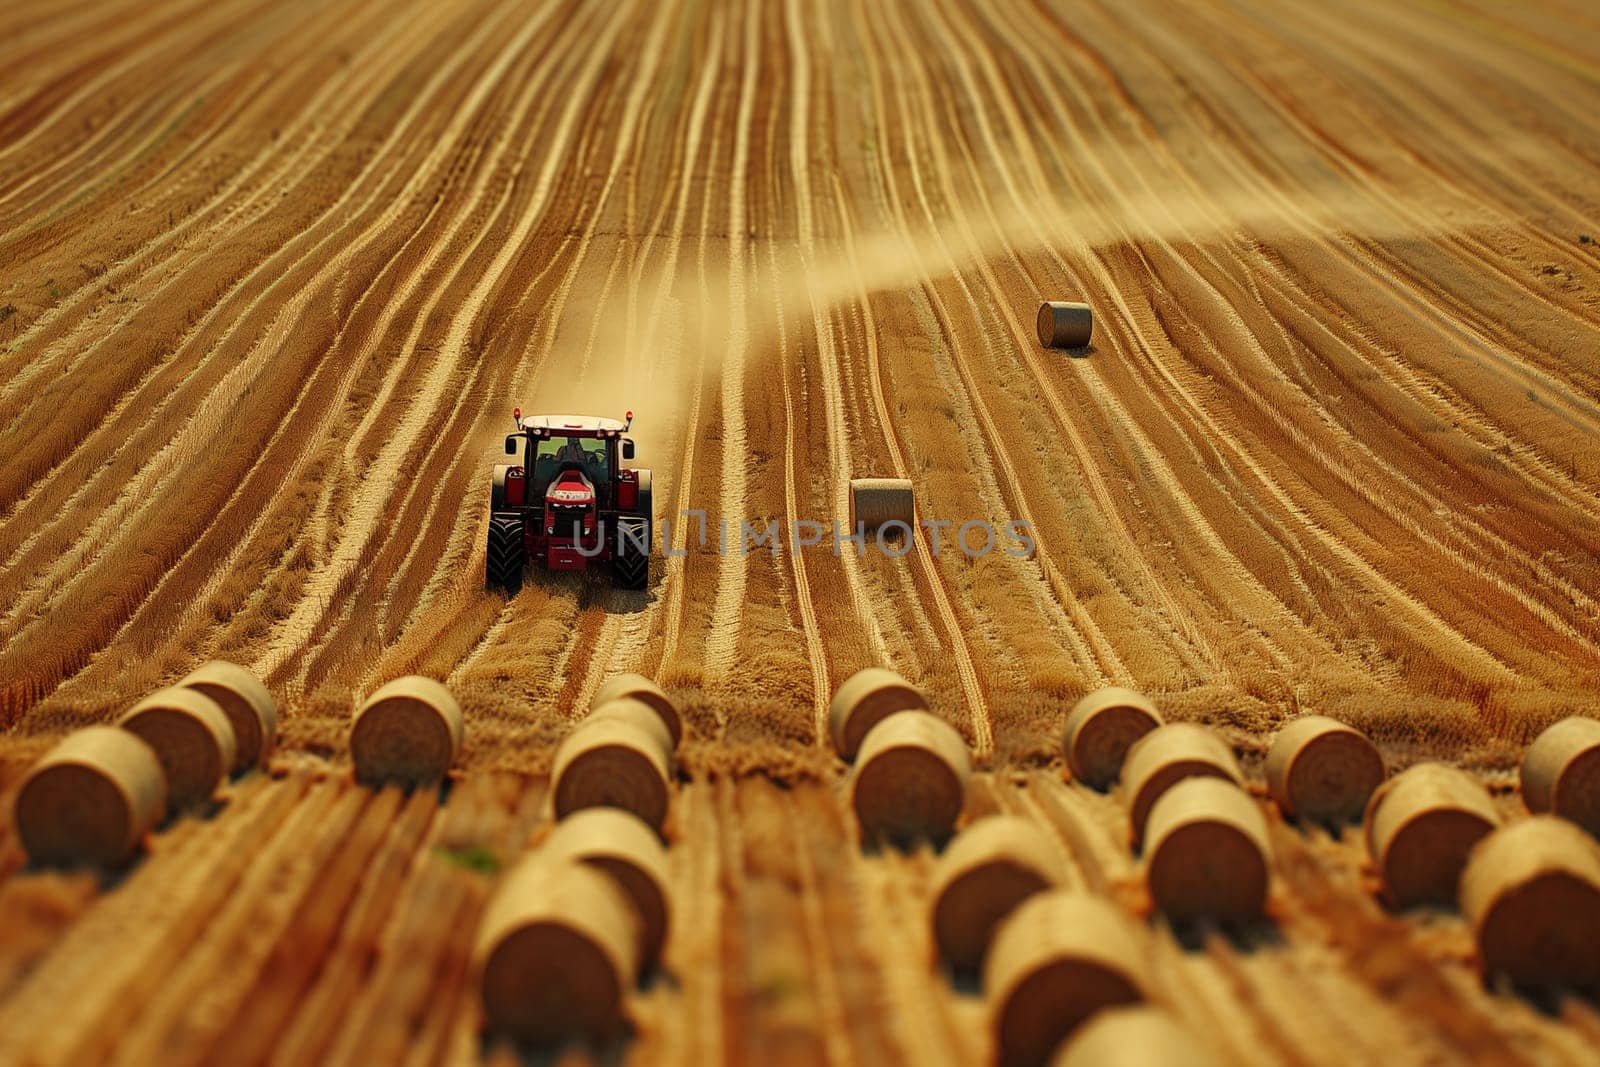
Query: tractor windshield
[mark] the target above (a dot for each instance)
(587, 454)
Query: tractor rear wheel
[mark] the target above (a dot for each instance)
(631, 562)
(507, 555)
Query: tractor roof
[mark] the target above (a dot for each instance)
(573, 423)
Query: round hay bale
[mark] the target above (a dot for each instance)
(910, 779)
(1101, 727)
(1531, 891)
(991, 867)
(864, 700)
(640, 716)
(1140, 1036)
(1065, 325)
(875, 501)
(639, 687)
(1164, 757)
(611, 763)
(1206, 854)
(1322, 770)
(409, 731)
(556, 953)
(247, 704)
(1060, 958)
(1420, 826)
(618, 843)
(1561, 772)
(90, 799)
(191, 737)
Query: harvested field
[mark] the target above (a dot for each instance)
(273, 276)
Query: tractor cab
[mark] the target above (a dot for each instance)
(571, 501)
(553, 452)
(553, 446)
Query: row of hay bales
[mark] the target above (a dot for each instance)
(93, 797)
(172, 749)
(1529, 888)
(1203, 841)
(1057, 963)
(1062, 969)
(570, 929)
(583, 917)
(910, 768)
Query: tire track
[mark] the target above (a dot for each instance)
(722, 639)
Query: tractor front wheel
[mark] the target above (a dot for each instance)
(507, 555)
(632, 562)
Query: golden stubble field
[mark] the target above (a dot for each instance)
(274, 275)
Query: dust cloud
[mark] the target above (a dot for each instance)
(649, 340)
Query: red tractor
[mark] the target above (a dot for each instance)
(568, 502)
